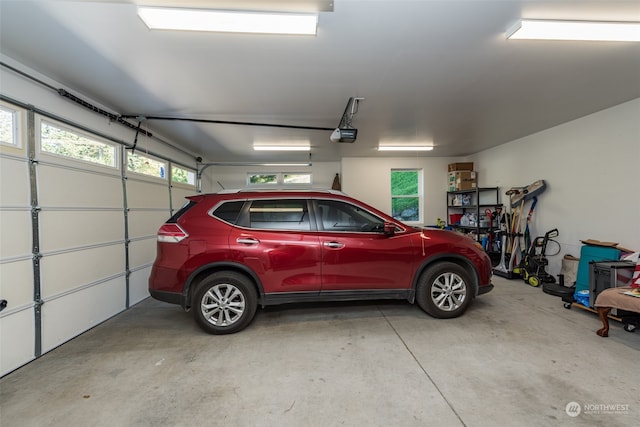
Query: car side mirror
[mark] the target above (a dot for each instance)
(389, 229)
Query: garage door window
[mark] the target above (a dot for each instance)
(183, 176)
(406, 193)
(146, 165)
(9, 126)
(262, 179)
(296, 178)
(279, 178)
(66, 142)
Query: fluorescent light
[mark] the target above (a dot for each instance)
(282, 147)
(575, 30)
(157, 18)
(405, 148)
(284, 164)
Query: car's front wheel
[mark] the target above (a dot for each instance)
(224, 303)
(444, 290)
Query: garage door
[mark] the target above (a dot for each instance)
(16, 265)
(151, 193)
(78, 227)
(148, 206)
(82, 244)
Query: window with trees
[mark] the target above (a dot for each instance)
(9, 126)
(279, 178)
(182, 175)
(146, 165)
(62, 141)
(406, 194)
(262, 179)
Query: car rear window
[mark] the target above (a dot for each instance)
(229, 211)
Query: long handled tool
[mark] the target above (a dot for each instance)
(511, 240)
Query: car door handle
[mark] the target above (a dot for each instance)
(247, 241)
(334, 245)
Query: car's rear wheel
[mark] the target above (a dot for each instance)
(444, 290)
(225, 302)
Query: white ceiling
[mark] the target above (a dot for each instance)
(439, 71)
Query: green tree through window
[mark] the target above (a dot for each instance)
(146, 165)
(66, 143)
(7, 126)
(183, 176)
(405, 194)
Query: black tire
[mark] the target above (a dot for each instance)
(444, 290)
(224, 303)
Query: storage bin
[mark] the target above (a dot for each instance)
(454, 218)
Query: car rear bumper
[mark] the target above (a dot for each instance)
(170, 297)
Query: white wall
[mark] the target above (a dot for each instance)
(369, 180)
(235, 177)
(591, 169)
(590, 166)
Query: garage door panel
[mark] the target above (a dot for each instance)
(65, 318)
(178, 196)
(142, 252)
(139, 285)
(15, 233)
(72, 188)
(16, 283)
(143, 194)
(146, 223)
(66, 271)
(63, 229)
(15, 171)
(16, 340)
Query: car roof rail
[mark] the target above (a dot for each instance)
(280, 190)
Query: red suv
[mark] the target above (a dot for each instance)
(224, 254)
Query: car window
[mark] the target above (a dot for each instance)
(340, 216)
(229, 211)
(279, 215)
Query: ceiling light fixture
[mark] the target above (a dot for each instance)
(575, 30)
(286, 164)
(405, 148)
(158, 18)
(282, 148)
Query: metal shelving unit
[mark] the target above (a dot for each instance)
(476, 201)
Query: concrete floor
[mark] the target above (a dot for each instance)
(516, 358)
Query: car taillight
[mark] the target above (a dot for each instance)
(171, 233)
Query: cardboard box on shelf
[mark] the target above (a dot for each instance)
(464, 180)
(465, 166)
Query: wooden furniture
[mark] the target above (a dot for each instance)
(614, 298)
